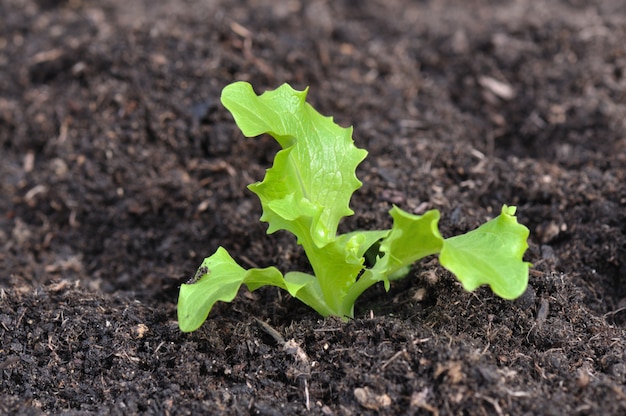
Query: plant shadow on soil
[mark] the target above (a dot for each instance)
(120, 171)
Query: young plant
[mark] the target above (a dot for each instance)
(307, 192)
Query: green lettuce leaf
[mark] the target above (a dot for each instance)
(412, 237)
(308, 189)
(491, 254)
(220, 278)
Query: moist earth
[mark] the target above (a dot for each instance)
(120, 171)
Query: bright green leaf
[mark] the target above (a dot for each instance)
(412, 237)
(491, 254)
(220, 280)
(308, 189)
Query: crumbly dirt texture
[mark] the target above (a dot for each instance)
(120, 171)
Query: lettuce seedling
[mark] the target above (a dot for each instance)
(307, 192)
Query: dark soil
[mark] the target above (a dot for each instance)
(120, 171)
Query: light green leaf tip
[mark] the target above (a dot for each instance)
(491, 254)
(308, 189)
(412, 237)
(220, 278)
